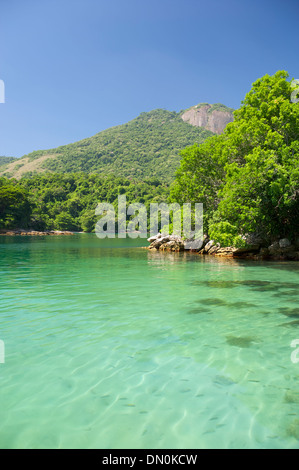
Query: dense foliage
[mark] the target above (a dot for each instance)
(15, 206)
(68, 202)
(248, 177)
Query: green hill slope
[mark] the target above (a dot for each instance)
(147, 146)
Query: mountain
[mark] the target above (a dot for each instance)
(147, 146)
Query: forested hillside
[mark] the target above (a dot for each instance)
(147, 146)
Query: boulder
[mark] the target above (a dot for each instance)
(165, 239)
(192, 244)
(154, 237)
(172, 245)
(208, 246)
(156, 243)
(226, 251)
(214, 249)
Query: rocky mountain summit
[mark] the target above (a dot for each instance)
(213, 118)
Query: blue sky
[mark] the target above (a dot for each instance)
(75, 67)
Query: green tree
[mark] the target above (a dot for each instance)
(15, 207)
(257, 189)
(64, 221)
(200, 176)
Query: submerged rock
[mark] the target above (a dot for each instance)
(240, 341)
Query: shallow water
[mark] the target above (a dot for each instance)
(108, 345)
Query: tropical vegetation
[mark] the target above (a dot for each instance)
(248, 177)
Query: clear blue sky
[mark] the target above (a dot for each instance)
(75, 67)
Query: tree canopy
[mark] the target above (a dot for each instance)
(15, 205)
(67, 202)
(248, 177)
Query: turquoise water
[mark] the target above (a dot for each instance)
(108, 345)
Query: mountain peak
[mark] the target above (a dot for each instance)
(213, 117)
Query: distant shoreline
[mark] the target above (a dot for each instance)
(35, 232)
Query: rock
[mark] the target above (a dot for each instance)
(283, 249)
(226, 251)
(161, 236)
(172, 245)
(152, 239)
(274, 249)
(161, 240)
(214, 249)
(203, 116)
(205, 240)
(166, 242)
(193, 245)
(165, 239)
(284, 243)
(278, 250)
(208, 246)
(156, 243)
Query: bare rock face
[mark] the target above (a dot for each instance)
(209, 117)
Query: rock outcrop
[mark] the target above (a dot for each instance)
(214, 118)
(279, 250)
(165, 242)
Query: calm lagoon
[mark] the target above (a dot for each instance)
(108, 345)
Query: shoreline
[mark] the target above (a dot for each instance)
(280, 250)
(34, 232)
